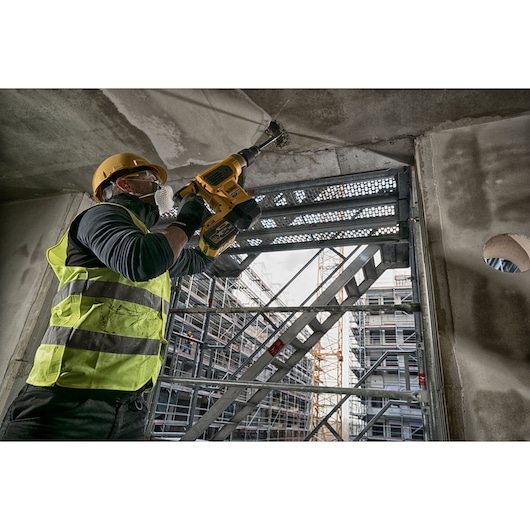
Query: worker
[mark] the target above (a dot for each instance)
(105, 343)
(189, 342)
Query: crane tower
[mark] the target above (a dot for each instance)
(327, 362)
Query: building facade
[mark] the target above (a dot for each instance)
(383, 355)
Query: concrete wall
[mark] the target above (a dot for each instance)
(475, 183)
(27, 283)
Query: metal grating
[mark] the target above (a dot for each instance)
(355, 209)
(324, 190)
(324, 236)
(349, 209)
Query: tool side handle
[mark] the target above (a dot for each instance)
(180, 194)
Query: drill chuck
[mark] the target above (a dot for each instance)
(250, 154)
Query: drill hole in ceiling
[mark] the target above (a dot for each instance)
(508, 253)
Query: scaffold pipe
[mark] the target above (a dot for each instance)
(385, 308)
(406, 395)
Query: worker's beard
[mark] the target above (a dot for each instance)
(164, 199)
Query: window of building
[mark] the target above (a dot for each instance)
(375, 336)
(409, 336)
(395, 431)
(377, 402)
(416, 432)
(392, 359)
(373, 300)
(390, 336)
(378, 429)
(388, 299)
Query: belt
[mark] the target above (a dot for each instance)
(124, 396)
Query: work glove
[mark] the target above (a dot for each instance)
(191, 214)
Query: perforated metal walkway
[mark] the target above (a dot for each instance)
(356, 209)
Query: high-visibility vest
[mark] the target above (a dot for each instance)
(105, 331)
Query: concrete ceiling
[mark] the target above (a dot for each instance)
(51, 141)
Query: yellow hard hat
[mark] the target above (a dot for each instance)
(120, 165)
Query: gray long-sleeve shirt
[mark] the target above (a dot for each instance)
(106, 235)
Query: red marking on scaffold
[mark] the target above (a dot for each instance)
(421, 380)
(276, 347)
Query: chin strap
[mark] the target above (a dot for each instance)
(144, 196)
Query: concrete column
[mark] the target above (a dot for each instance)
(474, 184)
(27, 283)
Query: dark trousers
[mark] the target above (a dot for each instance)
(55, 413)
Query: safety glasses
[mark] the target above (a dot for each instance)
(146, 174)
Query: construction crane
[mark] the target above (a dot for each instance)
(328, 360)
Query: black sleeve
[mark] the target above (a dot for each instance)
(110, 234)
(190, 261)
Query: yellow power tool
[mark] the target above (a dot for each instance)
(220, 187)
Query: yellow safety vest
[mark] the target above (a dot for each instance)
(105, 331)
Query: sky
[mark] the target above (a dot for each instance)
(278, 268)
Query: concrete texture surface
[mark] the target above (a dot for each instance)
(475, 187)
(27, 283)
(52, 140)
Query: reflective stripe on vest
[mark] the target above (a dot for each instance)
(92, 340)
(105, 330)
(117, 291)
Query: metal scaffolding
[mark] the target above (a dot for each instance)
(246, 374)
(224, 346)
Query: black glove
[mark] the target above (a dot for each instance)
(192, 214)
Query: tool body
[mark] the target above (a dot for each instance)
(221, 188)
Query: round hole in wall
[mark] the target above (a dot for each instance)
(508, 253)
